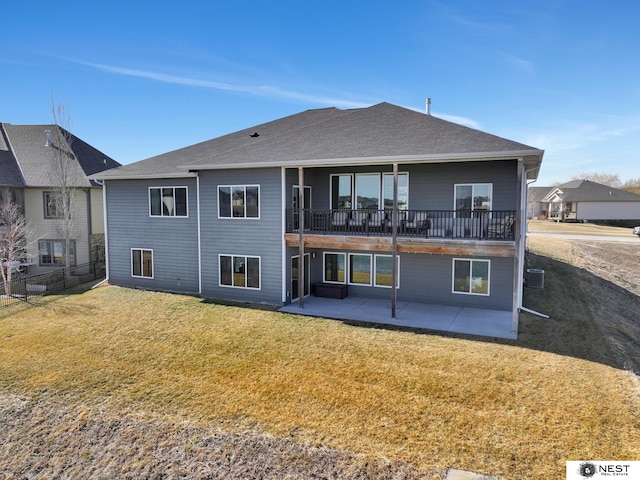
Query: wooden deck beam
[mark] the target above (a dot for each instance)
(493, 248)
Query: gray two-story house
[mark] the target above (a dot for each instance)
(30, 175)
(379, 202)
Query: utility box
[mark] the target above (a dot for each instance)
(535, 278)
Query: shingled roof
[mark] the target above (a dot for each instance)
(378, 134)
(25, 159)
(588, 191)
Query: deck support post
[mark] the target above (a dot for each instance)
(301, 207)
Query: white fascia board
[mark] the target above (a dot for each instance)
(404, 159)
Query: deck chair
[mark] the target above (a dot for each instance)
(340, 219)
(359, 220)
(500, 229)
(419, 222)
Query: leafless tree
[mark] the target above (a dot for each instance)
(14, 233)
(609, 179)
(632, 185)
(65, 178)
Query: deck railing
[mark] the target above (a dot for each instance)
(479, 224)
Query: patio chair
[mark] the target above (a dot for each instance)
(418, 221)
(500, 229)
(359, 220)
(378, 220)
(340, 219)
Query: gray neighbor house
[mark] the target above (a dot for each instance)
(585, 201)
(349, 191)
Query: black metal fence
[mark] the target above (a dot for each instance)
(26, 288)
(480, 224)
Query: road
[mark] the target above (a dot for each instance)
(588, 238)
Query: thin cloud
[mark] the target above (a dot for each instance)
(258, 90)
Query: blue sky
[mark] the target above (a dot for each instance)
(141, 78)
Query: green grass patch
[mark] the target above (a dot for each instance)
(430, 400)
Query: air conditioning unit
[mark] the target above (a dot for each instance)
(535, 278)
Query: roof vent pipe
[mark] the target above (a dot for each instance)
(48, 140)
(428, 105)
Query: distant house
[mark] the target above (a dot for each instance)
(536, 209)
(585, 201)
(27, 153)
(267, 213)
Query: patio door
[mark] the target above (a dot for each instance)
(295, 279)
(295, 204)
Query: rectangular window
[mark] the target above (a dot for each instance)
(239, 201)
(403, 191)
(141, 263)
(239, 271)
(335, 267)
(341, 191)
(52, 252)
(368, 191)
(473, 197)
(168, 201)
(471, 276)
(359, 269)
(372, 191)
(52, 207)
(383, 271)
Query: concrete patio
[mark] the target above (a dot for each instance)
(473, 321)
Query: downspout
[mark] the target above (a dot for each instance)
(89, 222)
(106, 236)
(519, 251)
(199, 241)
(301, 206)
(283, 219)
(394, 242)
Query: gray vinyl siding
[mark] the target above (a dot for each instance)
(174, 240)
(426, 278)
(423, 277)
(431, 186)
(261, 237)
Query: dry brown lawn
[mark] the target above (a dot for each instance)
(130, 384)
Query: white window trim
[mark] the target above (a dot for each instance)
(453, 277)
(220, 284)
(306, 256)
(153, 266)
(245, 206)
(63, 241)
(382, 187)
(293, 195)
(354, 193)
(174, 196)
(331, 188)
(375, 257)
(368, 174)
(370, 269)
(473, 190)
(324, 270)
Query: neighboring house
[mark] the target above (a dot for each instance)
(27, 153)
(223, 219)
(587, 201)
(536, 210)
